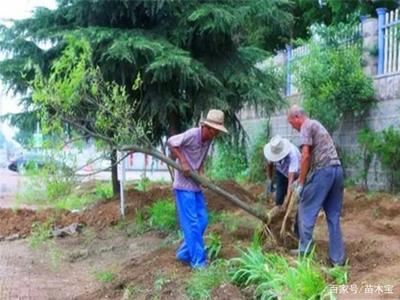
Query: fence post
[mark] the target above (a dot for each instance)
(369, 34)
(288, 74)
(381, 38)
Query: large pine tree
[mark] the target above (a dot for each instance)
(191, 55)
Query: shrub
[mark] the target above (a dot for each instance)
(162, 215)
(387, 148)
(228, 162)
(366, 139)
(257, 159)
(332, 82)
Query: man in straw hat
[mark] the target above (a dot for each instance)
(191, 148)
(320, 184)
(285, 157)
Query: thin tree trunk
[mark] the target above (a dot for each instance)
(174, 123)
(114, 173)
(262, 215)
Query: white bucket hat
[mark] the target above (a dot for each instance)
(276, 149)
(215, 119)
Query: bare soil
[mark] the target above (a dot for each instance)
(370, 224)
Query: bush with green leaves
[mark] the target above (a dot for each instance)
(46, 184)
(203, 281)
(228, 162)
(162, 215)
(332, 83)
(387, 149)
(257, 159)
(366, 140)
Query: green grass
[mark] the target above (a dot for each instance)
(274, 277)
(339, 274)
(131, 292)
(73, 202)
(162, 215)
(203, 281)
(41, 238)
(105, 276)
(213, 245)
(160, 281)
(40, 233)
(138, 226)
(103, 190)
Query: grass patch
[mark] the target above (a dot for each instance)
(40, 233)
(131, 292)
(274, 277)
(203, 281)
(41, 238)
(213, 245)
(73, 202)
(105, 276)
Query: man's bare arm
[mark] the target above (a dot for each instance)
(182, 159)
(305, 163)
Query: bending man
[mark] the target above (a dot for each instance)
(321, 175)
(191, 148)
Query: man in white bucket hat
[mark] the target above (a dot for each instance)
(191, 148)
(285, 157)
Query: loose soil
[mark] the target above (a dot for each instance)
(146, 265)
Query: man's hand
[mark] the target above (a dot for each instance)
(186, 168)
(297, 187)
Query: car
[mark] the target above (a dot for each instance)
(36, 161)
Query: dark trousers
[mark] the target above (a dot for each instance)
(281, 187)
(281, 191)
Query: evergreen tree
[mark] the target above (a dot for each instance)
(190, 55)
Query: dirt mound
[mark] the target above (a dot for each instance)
(216, 202)
(107, 213)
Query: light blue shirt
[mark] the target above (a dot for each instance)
(290, 163)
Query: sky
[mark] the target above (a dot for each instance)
(15, 9)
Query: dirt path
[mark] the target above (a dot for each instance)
(30, 274)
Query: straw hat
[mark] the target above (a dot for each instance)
(215, 119)
(276, 149)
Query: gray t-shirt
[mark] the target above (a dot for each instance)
(323, 151)
(195, 151)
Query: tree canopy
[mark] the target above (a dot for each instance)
(190, 55)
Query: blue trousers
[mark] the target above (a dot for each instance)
(193, 220)
(323, 190)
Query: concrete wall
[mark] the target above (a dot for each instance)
(387, 113)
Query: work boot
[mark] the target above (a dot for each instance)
(341, 264)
